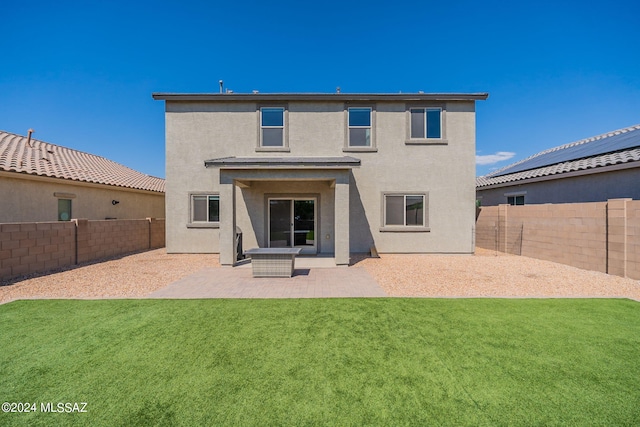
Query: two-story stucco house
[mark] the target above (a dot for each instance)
(332, 174)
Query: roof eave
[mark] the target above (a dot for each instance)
(283, 162)
(10, 173)
(561, 175)
(247, 97)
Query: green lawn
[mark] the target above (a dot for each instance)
(331, 362)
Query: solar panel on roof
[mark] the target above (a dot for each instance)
(604, 145)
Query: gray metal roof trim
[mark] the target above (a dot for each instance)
(225, 97)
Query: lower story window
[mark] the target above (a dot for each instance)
(64, 209)
(404, 210)
(205, 208)
(515, 200)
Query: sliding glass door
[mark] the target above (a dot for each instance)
(292, 224)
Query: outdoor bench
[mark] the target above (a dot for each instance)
(273, 262)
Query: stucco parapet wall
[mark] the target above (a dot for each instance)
(283, 162)
(312, 97)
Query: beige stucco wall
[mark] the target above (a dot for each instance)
(32, 199)
(198, 131)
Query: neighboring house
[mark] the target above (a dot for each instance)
(595, 169)
(332, 174)
(40, 182)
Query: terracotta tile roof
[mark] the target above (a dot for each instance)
(45, 159)
(623, 156)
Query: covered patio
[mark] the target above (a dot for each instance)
(266, 186)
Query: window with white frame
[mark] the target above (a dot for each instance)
(359, 126)
(272, 127)
(405, 210)
(426, 123)
(205, 208)
(517, 199)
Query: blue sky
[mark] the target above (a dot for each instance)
(81, 73)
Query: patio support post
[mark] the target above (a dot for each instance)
(342, 219)
(228, 249)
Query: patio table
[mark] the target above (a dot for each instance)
(273, 262)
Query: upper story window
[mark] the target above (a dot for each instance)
(360, 126)
(272, 127)
(426, 123)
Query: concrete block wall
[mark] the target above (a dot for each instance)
(487, 227)
(617, 237)
(43, 246)
(156, 233)
(109, 238)
(633, 239)
(572, 234)
(35, 247)
(600, 236)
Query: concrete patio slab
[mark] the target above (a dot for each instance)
(238, 282)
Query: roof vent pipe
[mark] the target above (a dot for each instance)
(221, 86)
(29, 132)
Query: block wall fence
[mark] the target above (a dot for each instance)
(600, 236)
(37, 247)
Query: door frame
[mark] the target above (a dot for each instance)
(315, 249)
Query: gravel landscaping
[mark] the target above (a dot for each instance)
(132, 276)
(492, 274)
(485, 274)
